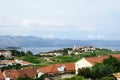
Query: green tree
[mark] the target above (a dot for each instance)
(96, 72)
(25, 78)
(74, 78)
(86, 72)
(17, 53)
(22, 53)
(28, 53)
(100, 70)
(2, 57)
(108, 78)
(113, 62)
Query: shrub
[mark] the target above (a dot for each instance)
(74, 78)
(31, 59)
(107, 78)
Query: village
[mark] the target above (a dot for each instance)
(55, 70)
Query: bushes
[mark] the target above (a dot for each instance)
(107, 78)
(31, 59)
(99, 70)
(15, 66)
(25, 78)
(74, 78)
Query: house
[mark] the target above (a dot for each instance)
(7, 62)
(116, 76)
(14, 74)
(56, 69)
(12, 62)
(6, 54)
(87, 49)
(11, 74)
(23, 63)
(90, 61)
(1, 76)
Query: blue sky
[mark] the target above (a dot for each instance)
(63, 19)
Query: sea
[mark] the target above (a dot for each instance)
(37, 50)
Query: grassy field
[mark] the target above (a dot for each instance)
(40, 61)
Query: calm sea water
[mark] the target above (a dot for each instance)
(37, 50)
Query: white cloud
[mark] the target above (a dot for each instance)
(89, 36)
(48, 36)
(86, 28)
(26, 23)
(8, 21)
(49, 23)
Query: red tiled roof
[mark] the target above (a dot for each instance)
(28, 72)
(5, 52)
(25, 63)
(99, 59)
(1, 75)
(7, 61)
(69, 67)
(14, 74)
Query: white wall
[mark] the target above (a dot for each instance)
(81, 64)
(40, 74)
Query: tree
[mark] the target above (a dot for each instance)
(17, 53)
(29, 53)
(74, 78)
(96, 72)
(22, 53)
(108, 78)
(100, 70)
(86, 72)
(2, 57)
(25, 78)
(113, 62)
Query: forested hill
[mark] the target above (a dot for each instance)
(30, 41)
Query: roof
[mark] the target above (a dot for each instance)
(7, 61)
(100, 59)
(14, 74)
(69, 67)
(117, 75)
(28, 72)
(25, 63)
(5, 52)
(1, 75)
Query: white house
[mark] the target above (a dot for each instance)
(6, 54)
(81, 64)
(90, 61)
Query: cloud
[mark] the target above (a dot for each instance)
(48, 36)
(8, 21)
(89, 36)
(26, 23)
(86, 28)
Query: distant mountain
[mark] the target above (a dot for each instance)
(30, 41)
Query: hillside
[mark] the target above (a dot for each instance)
(30, 41)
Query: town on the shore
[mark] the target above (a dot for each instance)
(77, 63)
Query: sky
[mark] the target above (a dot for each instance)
(61, 19)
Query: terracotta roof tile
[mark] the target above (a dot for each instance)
(25, 63)
(69, 67)
(1, 75)
(29, 72)
(7, 61)
(99, 59)
(14, 74)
